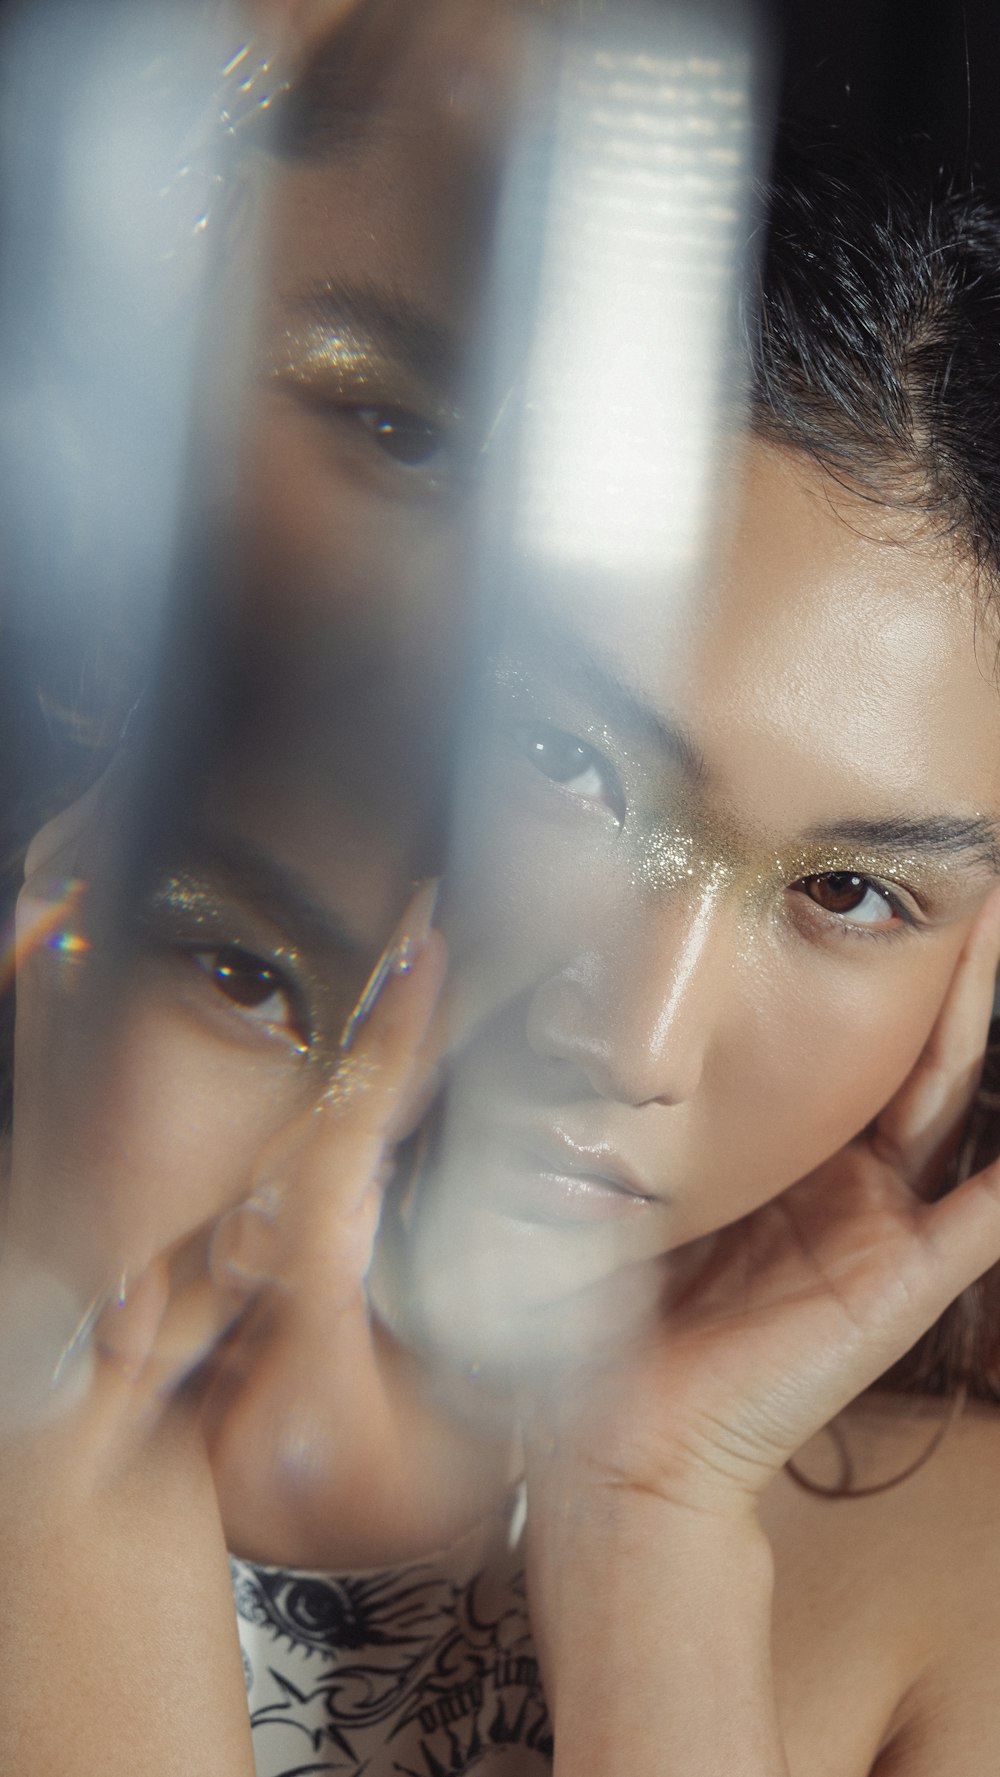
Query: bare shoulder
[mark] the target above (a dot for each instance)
(887, 1607)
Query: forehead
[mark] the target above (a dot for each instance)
(403, 119)
(834, 656)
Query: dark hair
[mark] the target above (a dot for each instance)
(873, 337)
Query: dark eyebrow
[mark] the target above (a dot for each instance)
(400, 327)
(975, 840)
(563, 656)
(274, 890)
(565, 659)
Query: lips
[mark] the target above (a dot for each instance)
(543, 1175)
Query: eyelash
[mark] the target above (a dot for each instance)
(216, 960)
(376, 425)
(534, 737)
(386, 425)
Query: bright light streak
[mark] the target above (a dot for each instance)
(646, 218)
(631, 373)
(102, 300)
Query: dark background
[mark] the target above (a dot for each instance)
(895, 72)
(917, 82)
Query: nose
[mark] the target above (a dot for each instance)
(636, 1015)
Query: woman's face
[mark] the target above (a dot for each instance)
(249, 954)
(724, 855)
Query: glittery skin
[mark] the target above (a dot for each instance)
(353, 1076)
(184, 896)
(181, 894)
(699, 852)
(709, 856)
(664, 858)
(188, 908)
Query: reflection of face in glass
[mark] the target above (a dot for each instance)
(720, 862)
(319, 799)
(692, 952)
(361, 443)
(247, 954)
(341, 640)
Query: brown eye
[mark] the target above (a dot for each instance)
(855, 898)
(244, 979)
(254, 987)
(403, 436)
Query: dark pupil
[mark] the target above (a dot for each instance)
(560, 756)
(403, 436)
(244, 979)
(839, 892)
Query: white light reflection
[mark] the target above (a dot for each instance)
(631, 374)
(111, 117)
(102, 302)
(643, 246)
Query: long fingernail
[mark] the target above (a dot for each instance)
(398, 957)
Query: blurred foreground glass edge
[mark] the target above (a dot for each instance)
(621, 246)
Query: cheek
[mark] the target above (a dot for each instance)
(799, 1073)
(523, 901)
(180, 1128)
(355, 596)
(319, 536)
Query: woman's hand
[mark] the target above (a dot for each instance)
(111, 1260)
(114, 1656)
(773, 1325)
(650, 1577)
(326, 1446)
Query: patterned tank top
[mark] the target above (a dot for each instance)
(426, 1670)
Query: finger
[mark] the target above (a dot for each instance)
(62, 832)
(159, 1323)
(311, 1219)
(125, 1333)
(397, 957)
(959, 1240)
(919, 1130)
(313, 1243)
(388, 1064)
(401, 1047)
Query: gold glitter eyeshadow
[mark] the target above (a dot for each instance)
(180, 895)
(341, 364)
(672, 843)
(706, 856)
(663, 858)
(182, 908)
